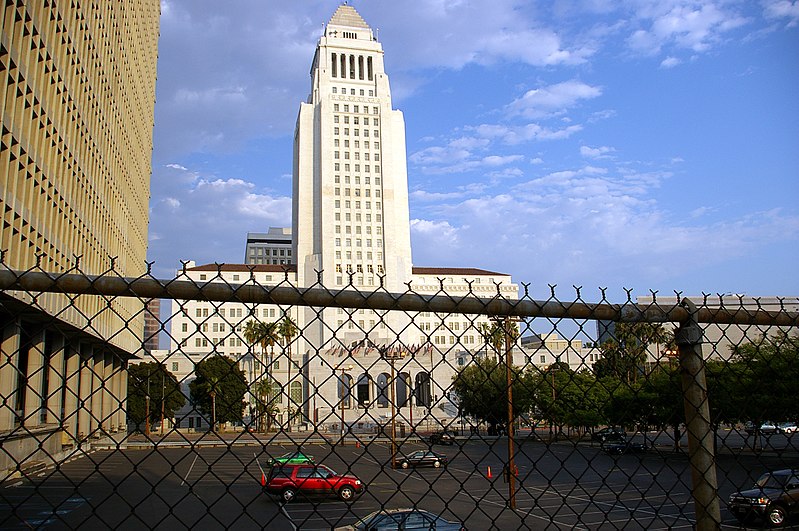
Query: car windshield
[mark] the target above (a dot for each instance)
(771, 481)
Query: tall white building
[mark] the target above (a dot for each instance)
(350, 230)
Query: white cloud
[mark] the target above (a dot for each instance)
(589, 225)
(782, 9)
(597, 152)
(670, 62)
(552, 100)
(682, 24)
(214, 211)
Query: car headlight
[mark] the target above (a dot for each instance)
(357, 481)
(762, 501)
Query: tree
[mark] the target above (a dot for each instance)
(568, 398)
(265, 406)
(625, 355)
(287, 329)
(482, 391)
(153, 379)
(492, 335)
(219, 389)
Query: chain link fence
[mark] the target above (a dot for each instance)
(278, 407)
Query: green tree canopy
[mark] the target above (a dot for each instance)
(155, 380)
(222, 377)
(482, 391)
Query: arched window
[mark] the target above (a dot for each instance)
(383, 390)
(362, 391)
(343, 65)
(345, 390)
(352, 67)
(296, 393)
(369, 68)
(403, 390)
(360, 67)
(423, 393)
(334, 65)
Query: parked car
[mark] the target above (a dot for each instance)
(391, 519)
(625, 447)
(766, 428)
(423, 458)
(774, 498)
(291, 458)
(611, 433)
(443, 437)
(788, 428)
(310, 479)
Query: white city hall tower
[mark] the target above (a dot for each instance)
(350, 187)
(350, 231)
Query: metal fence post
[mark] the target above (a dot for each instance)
(704, 486)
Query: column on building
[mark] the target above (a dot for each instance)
(56, 379)
(9, 348)
(71, 416)
(34, 376)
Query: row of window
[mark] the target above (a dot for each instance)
(359, 268)
(348, 229)
(236, 277)
(367, 192)
(356, 156)
(356, 120)
(359, 255)
(358, 242)
(357, 144)
(352, 92)
(262, 251)
(356, 109)
(356, 132)
(367, 204)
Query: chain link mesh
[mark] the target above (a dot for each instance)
(646, 414)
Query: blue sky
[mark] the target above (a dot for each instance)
(648, 145)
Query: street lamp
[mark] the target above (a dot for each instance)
(344, 393)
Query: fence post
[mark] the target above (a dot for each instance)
(704, 486)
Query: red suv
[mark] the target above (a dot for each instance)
(310, 479)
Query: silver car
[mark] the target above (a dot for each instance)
(390, 519)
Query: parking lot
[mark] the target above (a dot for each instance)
(559, 486)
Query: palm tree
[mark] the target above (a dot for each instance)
(493, 335)
(287, 329)
(264, 389)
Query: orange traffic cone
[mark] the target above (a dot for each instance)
(489, 476)
(263, 480)
(357, 444)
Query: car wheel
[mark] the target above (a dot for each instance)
(404, 464)
(346, 493)
(437, 464)
(288, 494)
(776, 515)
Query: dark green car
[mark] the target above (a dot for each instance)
(291, 458)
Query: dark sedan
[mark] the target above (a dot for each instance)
(625, 447)
(423, 458)
(774, 498)
(611, 433)
(442, 437)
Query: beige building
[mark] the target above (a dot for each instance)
(78, 94)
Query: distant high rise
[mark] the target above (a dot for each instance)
(78, 93)
(273, 247)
